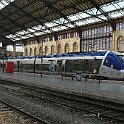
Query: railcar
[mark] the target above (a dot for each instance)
(98, 65)
(112, 66)
(87, 66)
(34, 65)
(3, 62)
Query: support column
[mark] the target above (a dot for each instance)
(38, 41)
(5, 53)
(114, 43)
(23, 44)
(14, 49)
(40, 54)
(80, 36)
(56, 39)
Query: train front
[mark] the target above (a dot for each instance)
(121, 57)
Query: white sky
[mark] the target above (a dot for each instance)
(18, 48)
(3, 3)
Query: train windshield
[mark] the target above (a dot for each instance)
(121, 57)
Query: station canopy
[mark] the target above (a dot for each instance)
(22, 19)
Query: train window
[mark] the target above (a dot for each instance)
(69, 66)
(122, 58)
(110, 62)
(96, 63)
(45, 67)
(107, 62)
(78, 65)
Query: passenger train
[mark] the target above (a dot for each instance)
(97, 65)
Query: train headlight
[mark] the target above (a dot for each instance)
(122, 71)
(94, 71)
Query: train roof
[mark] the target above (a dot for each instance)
(100, 53)
(77, 54)
(81, 58)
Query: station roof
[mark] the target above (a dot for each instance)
(21, 19)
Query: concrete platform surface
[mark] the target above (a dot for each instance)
(106, 89)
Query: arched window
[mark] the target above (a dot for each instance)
(30, 51)
(52, 49)
(26, 52)
(59, 49)
(46, 50)
(35, 51)
(75, 47)
(66, 48)
(120, 43)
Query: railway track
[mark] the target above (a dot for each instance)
(99, 108)
(13, 115)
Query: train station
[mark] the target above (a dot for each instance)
(61, 61)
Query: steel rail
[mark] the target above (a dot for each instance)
(102, 110)
(20, 111)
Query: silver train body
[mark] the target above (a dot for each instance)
(99, 65)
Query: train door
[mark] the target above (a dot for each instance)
(107, 70)
(59, 67)
(52, 66)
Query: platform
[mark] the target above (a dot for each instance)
(107, 90)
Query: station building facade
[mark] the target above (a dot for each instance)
(118, 40)
(65, 43)
(98, 36)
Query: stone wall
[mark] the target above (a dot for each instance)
(48, 44)
(118, 41)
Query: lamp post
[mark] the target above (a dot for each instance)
(41, 53)
(41, 65)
